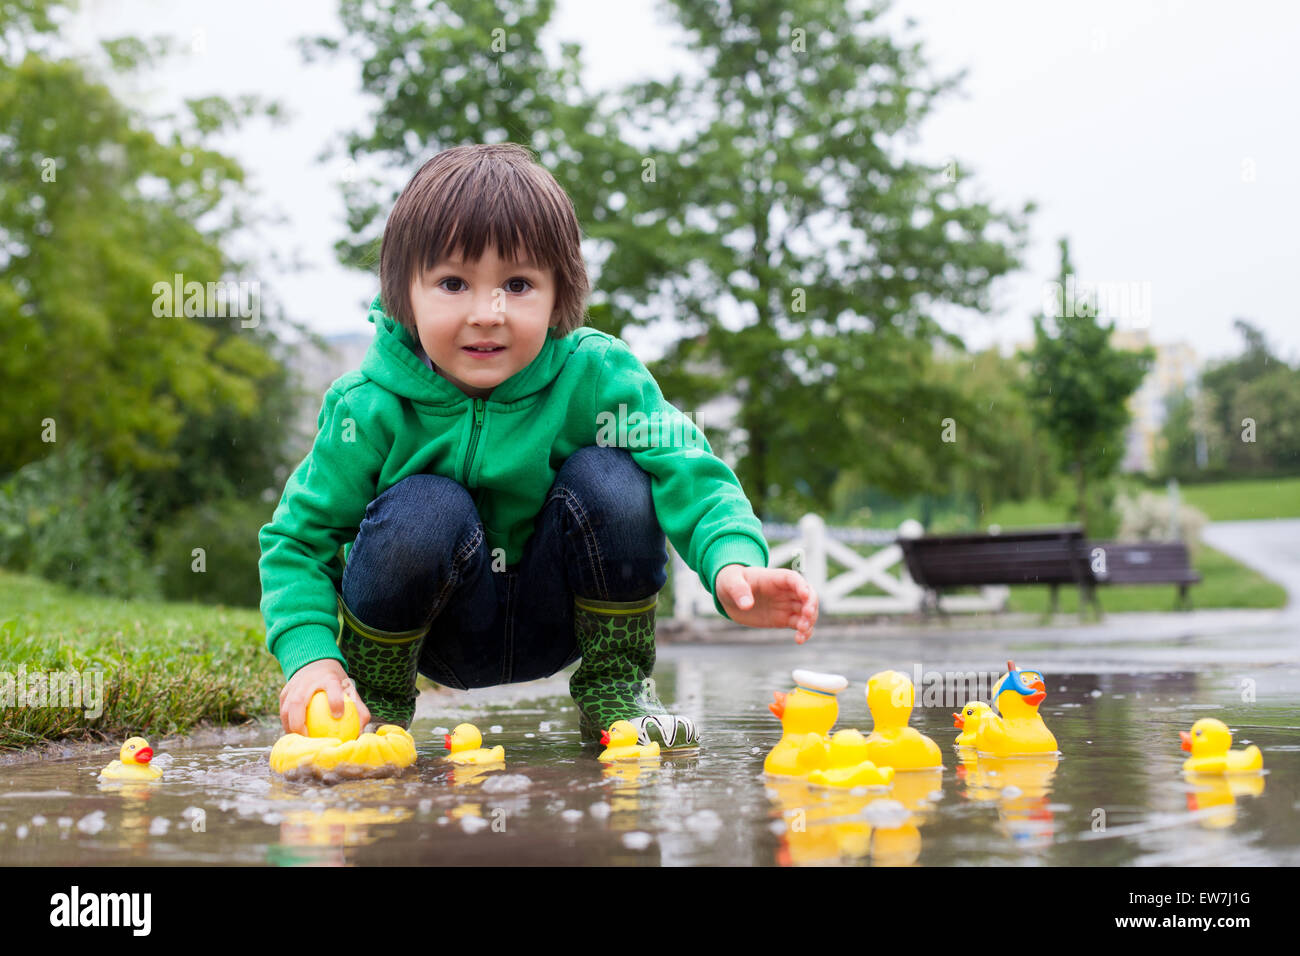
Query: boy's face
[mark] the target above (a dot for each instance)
(492, 301)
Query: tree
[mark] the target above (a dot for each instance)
(1078, 387)
(99, 207)
(786, 205)
(997, 452)
(1252, 402)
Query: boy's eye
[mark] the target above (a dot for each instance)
(509, 282)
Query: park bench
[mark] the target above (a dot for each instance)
(1051, 556)
(1146, 562)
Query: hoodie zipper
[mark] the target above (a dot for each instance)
(473, 437)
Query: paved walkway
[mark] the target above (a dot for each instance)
(1270, 547)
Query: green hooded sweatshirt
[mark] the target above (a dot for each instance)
(397, 417)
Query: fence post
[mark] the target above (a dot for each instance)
(812, 536)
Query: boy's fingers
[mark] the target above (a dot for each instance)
(334, 694)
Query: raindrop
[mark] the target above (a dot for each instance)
(637, 840)
(886, 814)
(92, 822)
(506, 783)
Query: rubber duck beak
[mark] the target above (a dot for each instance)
(1039, 695)
(1186, 738)
(777, 706)
(144, 755)
(959, 721)
(604, 738)
(446, 741)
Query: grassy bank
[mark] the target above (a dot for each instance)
(163, 667)
(1224, 501)
(1245, 500)
(1225, 583)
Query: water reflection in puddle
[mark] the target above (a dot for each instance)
(1116, 795)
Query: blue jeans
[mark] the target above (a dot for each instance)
(421, 557)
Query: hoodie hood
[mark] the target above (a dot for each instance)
(393, 362)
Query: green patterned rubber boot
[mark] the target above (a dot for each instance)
(383, 666)
(617, 643)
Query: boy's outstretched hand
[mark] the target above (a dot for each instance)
(327, 675)
(767, 597)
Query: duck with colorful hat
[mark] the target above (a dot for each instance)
(807, 715)
(1017, 728)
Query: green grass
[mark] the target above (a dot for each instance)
(1223, 501)
(1245, 500)
(166, 667)
(1224, 584)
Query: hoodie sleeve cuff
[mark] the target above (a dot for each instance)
(297, 648)
(730, 549)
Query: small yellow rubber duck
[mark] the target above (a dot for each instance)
(890, 696)
(620, 743)
(849, 764)
(1210, 745)
(465, 743)
(968, 722)
(1017, 728)
(134, 763)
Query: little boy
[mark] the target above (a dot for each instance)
(461, 508)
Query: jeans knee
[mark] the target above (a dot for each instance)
(417, 522)
(608, 496)
(612, 489)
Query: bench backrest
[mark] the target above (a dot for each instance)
(1040, 556)
(1155, 562)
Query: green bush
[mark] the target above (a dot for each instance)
(60, 519)
(226, 532)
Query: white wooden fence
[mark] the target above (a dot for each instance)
(811, 543)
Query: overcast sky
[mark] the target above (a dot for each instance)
(1159, 135)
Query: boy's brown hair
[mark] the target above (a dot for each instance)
(472, 195)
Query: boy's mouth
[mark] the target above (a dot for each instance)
(483, 350)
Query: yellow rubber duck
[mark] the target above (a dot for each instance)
(466, 746)
(807, 712)
(1210, 744)
(968, 721)
(890, 696)
(335, 747)
(620, 743)
(1016, 728)
(133, 763)
(849, 765)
